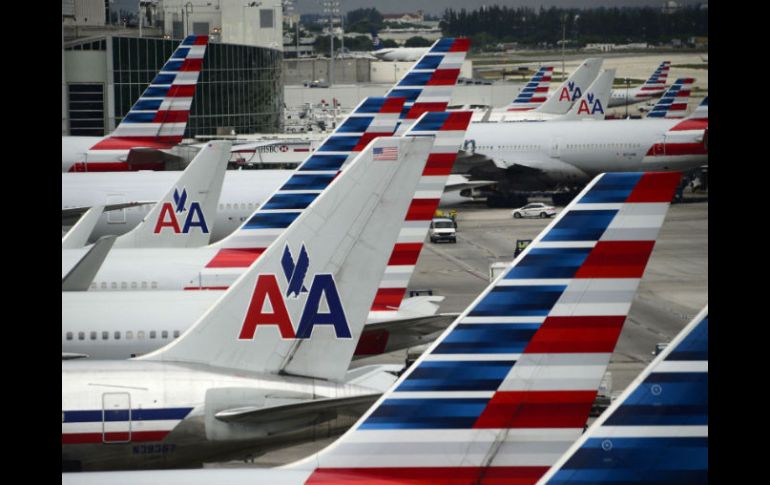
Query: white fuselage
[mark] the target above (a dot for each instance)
(75, 148)
(124, 324)
(622, 97)
(402, 54)
(242, 192)
(575, 151)
(171, 419)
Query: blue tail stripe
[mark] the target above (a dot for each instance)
(289, 201)
(695, 346)
(549, 263)
(612, 187)
(308, 182)
(339, 144)
(429, 62)
(457, 376)
(581, 226)
(323, 162)
(271, 220)
(524, 301)
(426, 414)
(487, 338)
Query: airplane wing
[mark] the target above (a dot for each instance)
(460, 182)
(70, 215)
(321, 409)
(72, 355)
(424, 325)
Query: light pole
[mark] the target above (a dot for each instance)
(331, 7)
(563, 40)
(628, 82)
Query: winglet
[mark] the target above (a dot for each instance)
(657, 429)
(185, 215)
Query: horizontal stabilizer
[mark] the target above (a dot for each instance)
(70, 215)
(82, 274)
(78, 235)
(260, 415)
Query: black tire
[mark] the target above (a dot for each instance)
(517, 215)
(543, 215)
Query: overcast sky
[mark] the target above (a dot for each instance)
(438, 6)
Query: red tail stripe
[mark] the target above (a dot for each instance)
(537, 409)
(443, 77)
(171, 117)
(691, 124)
(422, 209)
(405, 254)
(191, 65)
(181, 91)
(655, 186)
(460, 45)
(616, 259)
(393, 105)
(457, 121)
(388, 299)
(576, 335)
(419, 108)
(201, 40)
(235, 258)
(128, 142)
(439, 164)
(366, 138)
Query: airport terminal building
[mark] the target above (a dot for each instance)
(240, 87)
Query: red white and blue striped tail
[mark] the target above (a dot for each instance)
(158, 119)
(372, 118)
(429, 83)
(657, 82)
(673, 103)
(657, 430)
(448, 128)
(534, 93)
(508, 387)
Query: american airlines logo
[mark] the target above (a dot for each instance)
(570, 92)
(590, 105)
(268, 306)
(171, 215)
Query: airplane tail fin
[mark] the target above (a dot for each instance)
(591, 105)
(509, 385)
(657, 82)
(673, 103)
(159, 118)
(429, 83)
(702, 111)
(184, 216)
(376, 40)
(372, 118)
(535, 92)
(570, 90)
(301, 307)
(657, 429)
(448, 130)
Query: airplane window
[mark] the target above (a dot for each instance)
(144, 285)
(153, 334)
(69, 335)
(140, 335)
(93, 335)
(129, 335)
(164, 334)
(105, 335)
(117, 335)
(81, 335)
(176, 333)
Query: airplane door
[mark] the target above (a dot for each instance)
(116, 417)
(556, 147)
(116, 216)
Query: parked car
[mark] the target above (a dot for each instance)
(442, 229)
(535, 209)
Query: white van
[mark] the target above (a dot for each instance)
(442, 229)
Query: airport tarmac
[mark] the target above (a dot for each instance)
(673, 290)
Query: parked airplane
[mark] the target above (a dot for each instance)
(591, 105)
(183, 217)
(527, 157)
(652, 88)
(509, 386)
(155, 123)
(673, 104)
(534, 93)
(657, 430)
(427, 87)
(271, 356)
(393, 323)
(400, 54)
(559, 101)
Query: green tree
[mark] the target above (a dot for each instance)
(417, 41)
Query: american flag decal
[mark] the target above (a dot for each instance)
(386, 153)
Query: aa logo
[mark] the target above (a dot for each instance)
(268, 306)
(570, 92)
(172, 214)
(590, 105)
